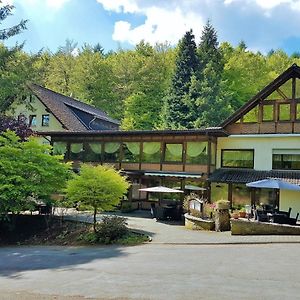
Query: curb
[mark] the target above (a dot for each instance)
(225, 243)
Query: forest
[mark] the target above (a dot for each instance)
(148, 87)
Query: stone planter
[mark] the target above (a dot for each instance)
(195, 223)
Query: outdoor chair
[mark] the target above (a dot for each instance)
(262, 216)
(281, 218)
(293, 221)
(287, 213)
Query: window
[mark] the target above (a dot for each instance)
(173, 152)
(45, 120)
(237, 159)
(32, 120)
(76, 151)
(196, 152)
(298, 111)
(251, 116)
(60, 148)
(112, 152)
(241, 196)
(286, 159)
(219, 191)
(284, 112)
(131, 152)
(151, 152)
(93, 151)
(21, 118)
(268, 113)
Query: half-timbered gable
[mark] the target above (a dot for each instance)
(275, 109)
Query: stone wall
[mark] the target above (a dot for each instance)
(245, 227)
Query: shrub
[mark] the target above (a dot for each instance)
(195, 213)
(111, 229)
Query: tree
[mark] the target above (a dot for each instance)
(143, 107)
(6, 33)
(12, 61)
(19, 126)
(27, 170)
(100, 187)
(186, 65)
(17, 69)
(208, 101)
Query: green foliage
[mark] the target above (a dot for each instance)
(16, 71)
(148, 87)
(6, 33)
(27, 170)
(176, 107)
(100, 187)
(111, 229)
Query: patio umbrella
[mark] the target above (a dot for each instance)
(160, 189)
(274, 184)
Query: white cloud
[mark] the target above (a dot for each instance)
(267, 4)
(262, 24)
(126, 6)
(161, 23)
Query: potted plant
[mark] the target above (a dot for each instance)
(235, 214)
(242, 213)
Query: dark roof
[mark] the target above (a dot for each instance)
(246, 175)
(64, 109)
(216, 131)
(292, 72)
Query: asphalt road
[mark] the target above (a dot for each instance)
(269, 271)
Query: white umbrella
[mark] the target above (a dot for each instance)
(274, 184)
(160, 189)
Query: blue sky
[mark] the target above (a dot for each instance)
(262, 24)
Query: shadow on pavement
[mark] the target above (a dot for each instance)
(15, 260)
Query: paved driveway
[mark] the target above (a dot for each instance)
(174, 232)
(152, 271)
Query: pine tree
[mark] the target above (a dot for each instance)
(208, 106)
(177, 107)
(6, 33)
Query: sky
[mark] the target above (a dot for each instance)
(262, 24)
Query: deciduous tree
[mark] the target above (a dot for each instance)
(100, 187)
(27, 170)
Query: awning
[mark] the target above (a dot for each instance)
(224, 175)
(178, 174)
